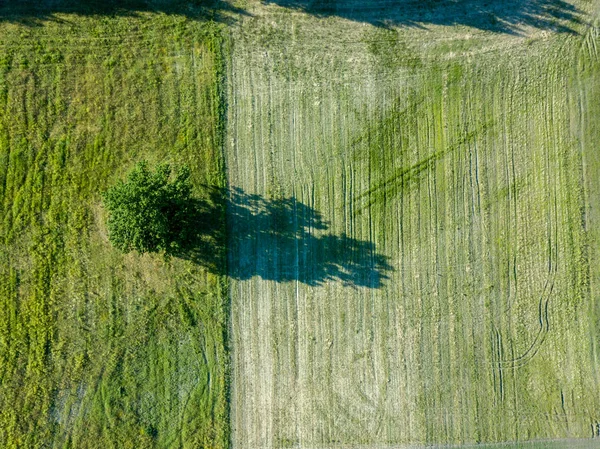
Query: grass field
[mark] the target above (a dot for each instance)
(97, 349)
(452, 148)
(406, 224)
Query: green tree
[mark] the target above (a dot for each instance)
(150, 212)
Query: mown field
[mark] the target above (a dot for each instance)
(98, 349)
(407, 257)
(430, 274)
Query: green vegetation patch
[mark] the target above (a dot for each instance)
(478, 167)
(100, 349)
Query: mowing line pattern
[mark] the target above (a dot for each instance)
(458, 174)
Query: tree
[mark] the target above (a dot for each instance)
(150, 212)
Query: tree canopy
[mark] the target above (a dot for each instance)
(151, 211)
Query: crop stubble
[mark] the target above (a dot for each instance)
(470, 321)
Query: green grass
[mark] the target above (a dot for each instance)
(99, 349)
(448, 296)
(487, 190)
(585, 110)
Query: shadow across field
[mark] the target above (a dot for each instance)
(35, 12)
(281, 240)
(501, 16)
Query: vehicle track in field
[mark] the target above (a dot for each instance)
(457, 170)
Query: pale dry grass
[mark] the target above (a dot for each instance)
(451, 150)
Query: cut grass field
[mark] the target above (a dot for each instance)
(461, 154)
(98, 349)
(411, 228)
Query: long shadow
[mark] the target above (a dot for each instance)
(501, 16)
(282, 240)
(35, 12)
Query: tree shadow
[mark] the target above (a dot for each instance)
(35, 12)
(501, 16)
(281, 240)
